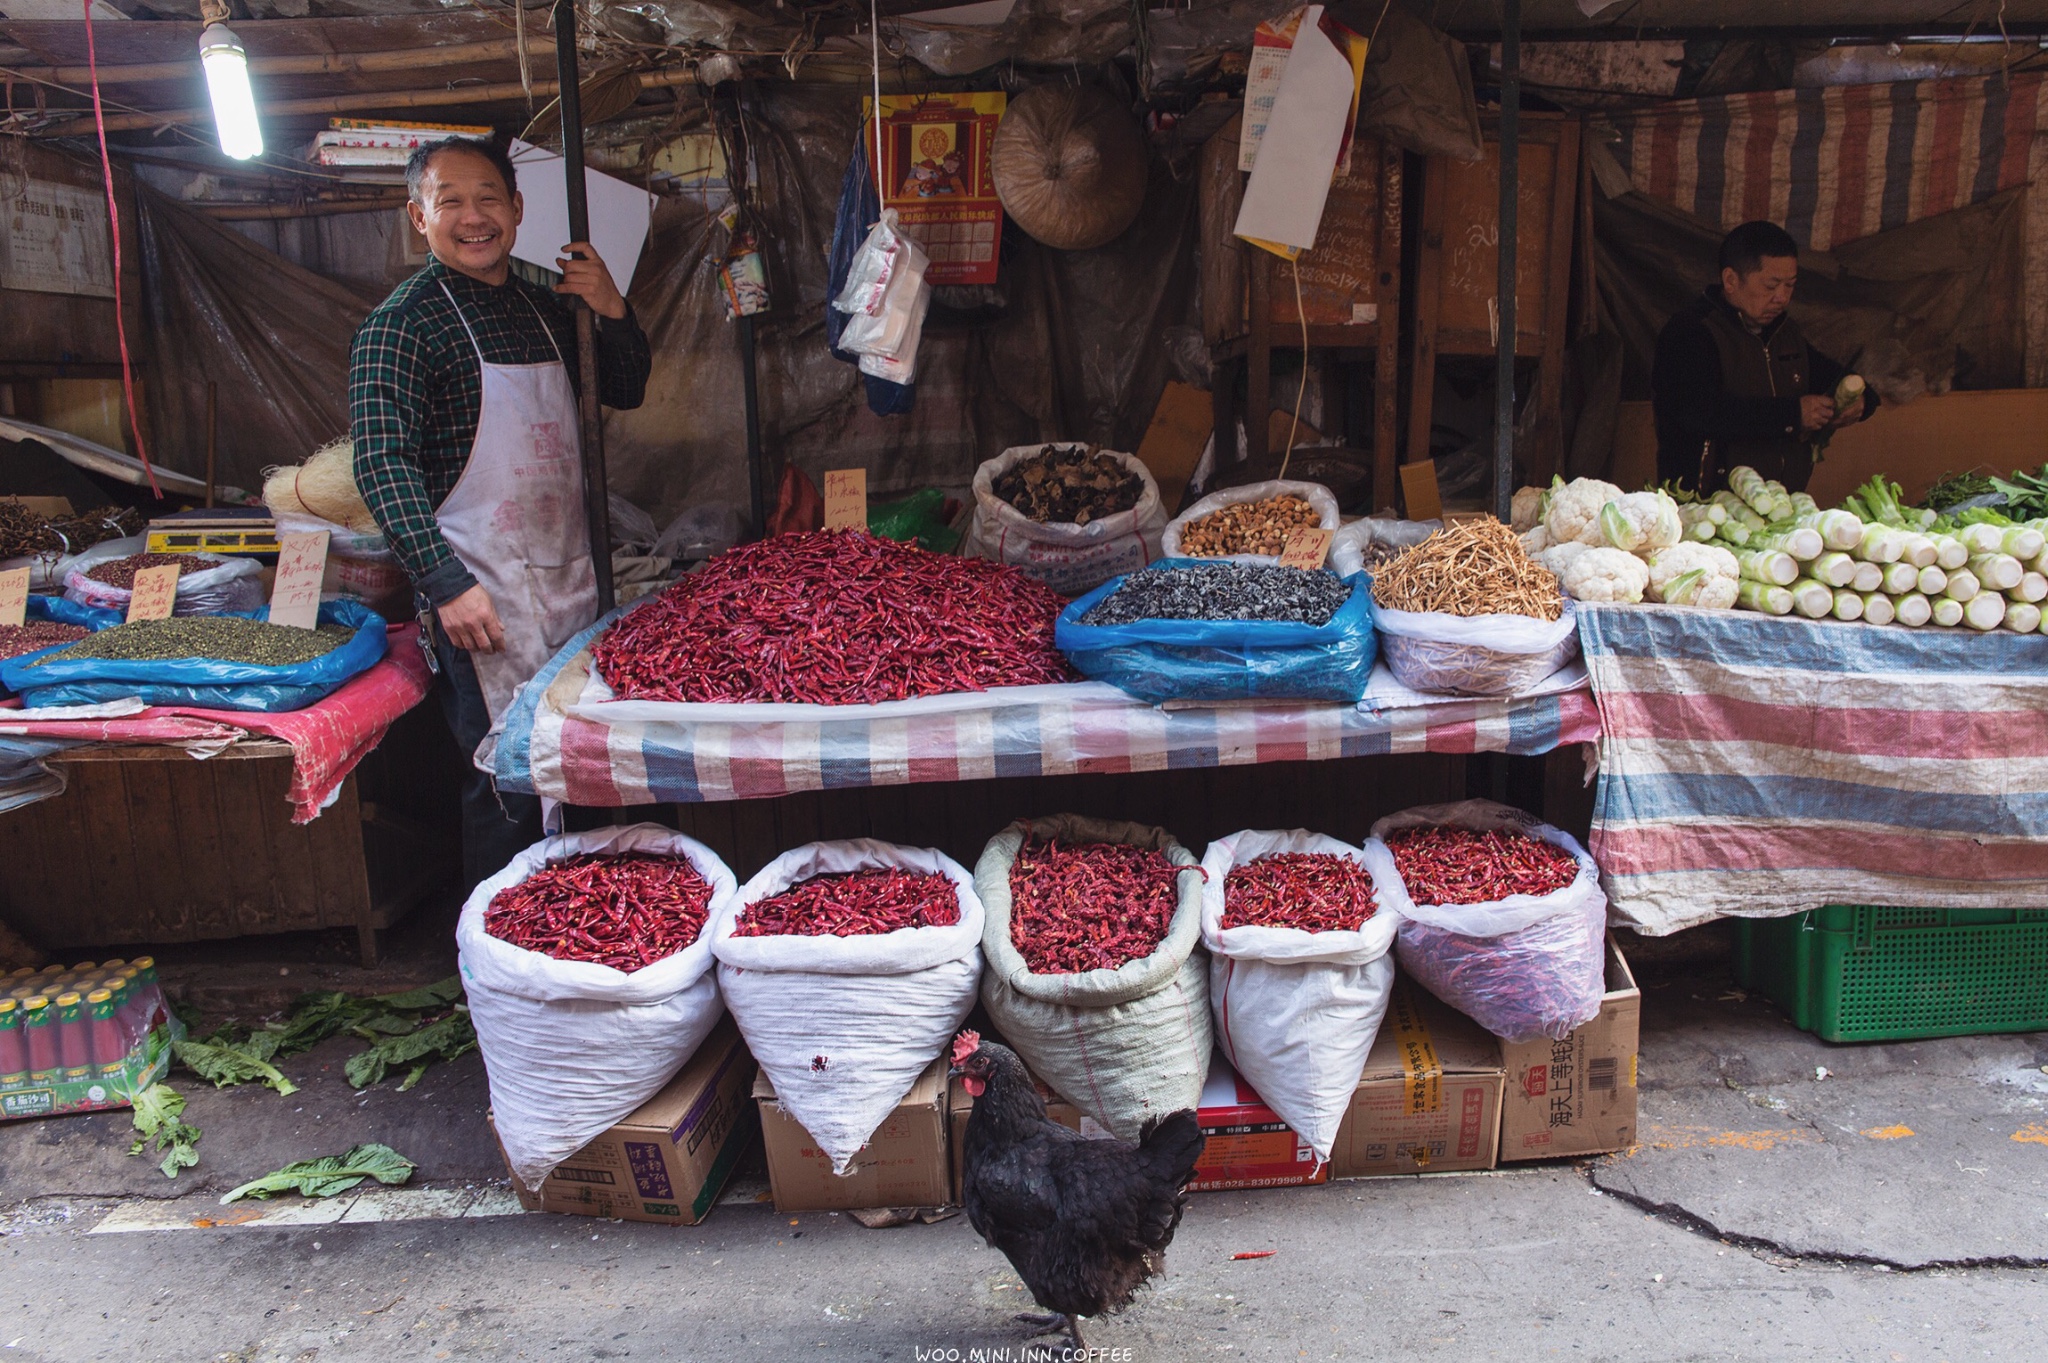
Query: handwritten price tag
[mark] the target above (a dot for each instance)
(1306, 547)
(156, 591)
(14, 597)
(846, 499)
(301, 564)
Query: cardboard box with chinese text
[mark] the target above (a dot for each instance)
(1577, 1096)
(1430, 1098)
(904, 1164)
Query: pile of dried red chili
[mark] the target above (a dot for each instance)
(1462, 866)
(1089, 905)
(625, 910)
(854, 904)
(1313, 891)
(834, 618)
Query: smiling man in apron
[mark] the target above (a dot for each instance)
(463, 413)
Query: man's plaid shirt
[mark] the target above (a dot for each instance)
(415, 391)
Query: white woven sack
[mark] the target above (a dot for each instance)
(1070, 559)
(1475, 655)
(1296, 1012)
(1315, 494)
(571, 1047)
(845, 1025)
(1122, 1045)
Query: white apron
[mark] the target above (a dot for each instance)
(515, 517)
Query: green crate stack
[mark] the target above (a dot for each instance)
(1857, 973)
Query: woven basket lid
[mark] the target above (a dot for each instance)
(1069, 165)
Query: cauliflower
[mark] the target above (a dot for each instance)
(1606, 575)
(1717, 593)
(1528, 508)
(1669, 566)
(1559, 556)
(1535, 540)
(1641, 522)
(1575, 510)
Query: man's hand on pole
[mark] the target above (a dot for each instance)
(586, 276)
(471, 622)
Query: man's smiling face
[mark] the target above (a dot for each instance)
(468, 216)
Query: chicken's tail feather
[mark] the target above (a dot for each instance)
(1172, 1145)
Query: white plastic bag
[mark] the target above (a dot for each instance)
(845, 1025)
(1296, 1012)
(1122, 1045)
(882, 256)
(47, 571)
(1315, 494)
(1474, 655)
(1359, 543)
(1070, 559)
(898, 361)
(572, 1046)
(231, 584)
(1521, 967)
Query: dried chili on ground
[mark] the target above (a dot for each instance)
(1090, 905)
(1464, 866)
(854, 904)
(625, 910)
(834, 618)
(1313, 891)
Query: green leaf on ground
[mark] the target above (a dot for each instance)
(330, 1174)
(452, 1036)
(157, 1118)
(223, 1062)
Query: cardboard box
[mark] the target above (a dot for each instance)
(904, 1164)
(1577, 1096)
(1430, 1098)
(1248, 1146)
(668, 1161)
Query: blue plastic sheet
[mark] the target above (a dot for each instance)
(206, 682)
(60, 611)
(1218, 660)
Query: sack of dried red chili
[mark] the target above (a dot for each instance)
(1300, 938)
(1524, 955)
(845, 1020)
(572, 1046)
(1121, 1043)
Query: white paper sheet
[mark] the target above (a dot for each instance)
(619, 214)
(1298, 154)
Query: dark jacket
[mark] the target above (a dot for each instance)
(1726, 396)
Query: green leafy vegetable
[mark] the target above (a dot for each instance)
(158, 1118)
(224, 1062)
(330, 1174)
(452, 1036)
(412, 1029)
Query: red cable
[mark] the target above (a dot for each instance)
(99, 119)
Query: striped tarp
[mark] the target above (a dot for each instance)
(563, 740)
(1837, 164)
(1758, 766)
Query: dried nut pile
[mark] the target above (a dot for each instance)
(1223, 591)
(220, 638)
(1070, 484)
(120, 572)
(1246, 528)
(16, 640)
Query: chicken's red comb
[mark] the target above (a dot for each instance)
(965, 1044)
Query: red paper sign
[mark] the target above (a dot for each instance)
(935, 174)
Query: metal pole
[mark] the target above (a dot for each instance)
(1510, 198)
(596, 512)
(756, 484)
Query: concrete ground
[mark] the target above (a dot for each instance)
(1789, 1200)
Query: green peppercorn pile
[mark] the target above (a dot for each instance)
(221, 638)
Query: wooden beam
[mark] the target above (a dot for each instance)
(311, 208)
(360, 102)
(305, 64)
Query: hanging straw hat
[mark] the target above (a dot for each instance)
(1069, 165)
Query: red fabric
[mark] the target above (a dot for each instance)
(328, 738)
(798, 507)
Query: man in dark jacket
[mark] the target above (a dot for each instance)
(1735, 381)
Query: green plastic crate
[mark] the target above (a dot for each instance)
(1857, 973)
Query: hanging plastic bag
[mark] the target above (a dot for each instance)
(571, 1047)
(843, 1026)
(1296, 1012)
(1122, 1045)
(1224, 660)
(1521, 967)
(1316, 495)
(898, 363)
(228, 586)
(1068, 558)
(209, 683)
(1475, 655)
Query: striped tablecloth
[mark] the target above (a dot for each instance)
(1760, 766)
(563, 740)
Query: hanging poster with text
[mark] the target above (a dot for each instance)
(935, 174)
(56, 240)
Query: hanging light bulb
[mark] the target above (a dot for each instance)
(227, 80)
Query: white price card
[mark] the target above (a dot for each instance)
(14, 597)
(846, 499)
(301, 564)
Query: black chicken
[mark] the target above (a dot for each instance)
(1084, 1222)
